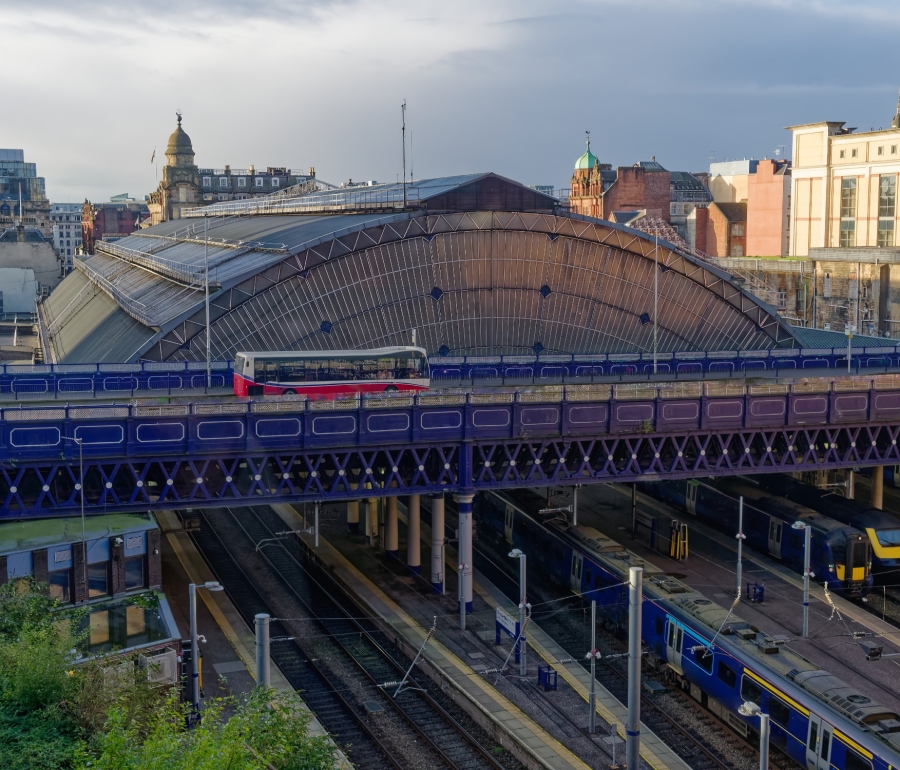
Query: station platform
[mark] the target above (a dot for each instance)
(470, 659)
(710, 569)
(229, 653)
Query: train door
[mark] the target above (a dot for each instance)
(508, 523)
(674, 640)
(818, 744)
(690, 497)
(775, 527)
(577, 566)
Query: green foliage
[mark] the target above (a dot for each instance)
(55, 715)
(268, 730)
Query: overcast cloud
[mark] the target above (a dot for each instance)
(492, 85)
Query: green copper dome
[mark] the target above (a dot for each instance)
(179, 141)
(588, 159)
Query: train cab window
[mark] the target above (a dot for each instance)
(750, 690)
(727, 675)
(659, 626)
(779, 711)
(853, 761)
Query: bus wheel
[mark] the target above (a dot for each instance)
(391, 389)
(289, 392)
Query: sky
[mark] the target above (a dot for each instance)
(508, 86)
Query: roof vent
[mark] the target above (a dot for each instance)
(436, 293)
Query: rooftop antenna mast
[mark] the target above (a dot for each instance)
(403, 112)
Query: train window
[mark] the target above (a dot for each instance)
(659, 626)
(704, 659)
(750, 690)
(853, 761)
(779, 711)
(727, 675)
(814, 736)
(826, 745)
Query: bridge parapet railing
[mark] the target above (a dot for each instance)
(335, 405)
(380, 401)
(635, 392)
(166, 410)
(276, 407)
(681, 390)
(445, 399)
(589, 393)
(887, 382)
(241, 407)
(814, 386)
(98, 412)
(723, 388)
(768, 390)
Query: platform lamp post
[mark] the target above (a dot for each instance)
(750, 709)
(206, 293)
(515, 553)
(210, 585)
(807, 543)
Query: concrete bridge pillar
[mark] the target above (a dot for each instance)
(353, 516)
(413, 535)
(878, 487)
(391, 538)
(437, 543)
(372, 521)
(464, 504)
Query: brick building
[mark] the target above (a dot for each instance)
(720, 230)
(110, 221)
(598, 190)
(768, 209)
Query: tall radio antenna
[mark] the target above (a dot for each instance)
(403, 112)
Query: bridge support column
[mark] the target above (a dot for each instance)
(437, 543)
(413, 535)
(878, 487)
(372, 521)
(353, 516)
(464, 504)
(391, 537)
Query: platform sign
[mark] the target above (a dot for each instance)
(506, 623)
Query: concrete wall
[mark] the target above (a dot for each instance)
(768, 198)
(19, 289)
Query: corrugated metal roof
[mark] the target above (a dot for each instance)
(819, 338)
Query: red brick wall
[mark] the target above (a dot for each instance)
(717, 234)
(636, 188)
(702, 220)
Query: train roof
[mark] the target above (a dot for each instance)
(735, 636)
(787, 510)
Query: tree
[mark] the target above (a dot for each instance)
(268, 730)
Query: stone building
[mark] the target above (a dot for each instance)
(184, 185)
(844, 186)
(65, 221)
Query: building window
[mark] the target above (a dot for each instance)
(259, 181)
(134, 573)
(826, 286)
(275, 181)
(223, 181)
(207, 181)
(842, 153)
(887, 206)
(848, 212)
(242, 182)
(881, 150)
(98, 579)
(737, 229)
(893, 149)
(853, 153)
(61, 585)
(737, 250)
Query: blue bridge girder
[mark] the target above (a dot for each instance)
(188, 455)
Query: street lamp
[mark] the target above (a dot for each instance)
(210, 585)
(750, 709)
(515, 553)
(807, 539)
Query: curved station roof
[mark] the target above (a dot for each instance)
(478, 265)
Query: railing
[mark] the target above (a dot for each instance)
(178, 271)
(137, 310)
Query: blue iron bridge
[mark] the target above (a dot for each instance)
(148, 379)
(142, 457)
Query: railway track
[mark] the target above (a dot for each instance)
(334, 711)
(701, 740)
(353, 647)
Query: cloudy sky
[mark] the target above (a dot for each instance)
(492, 85)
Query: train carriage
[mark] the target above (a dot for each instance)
(722, 661)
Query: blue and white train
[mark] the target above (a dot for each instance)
(817, 719)
(841, 554)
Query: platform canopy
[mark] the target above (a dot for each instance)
(476, 264)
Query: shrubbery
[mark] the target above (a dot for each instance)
(57, 712)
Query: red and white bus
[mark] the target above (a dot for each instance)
(330, 373)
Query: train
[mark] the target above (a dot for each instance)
(841, 554)
(881, 528)
(722, 661)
